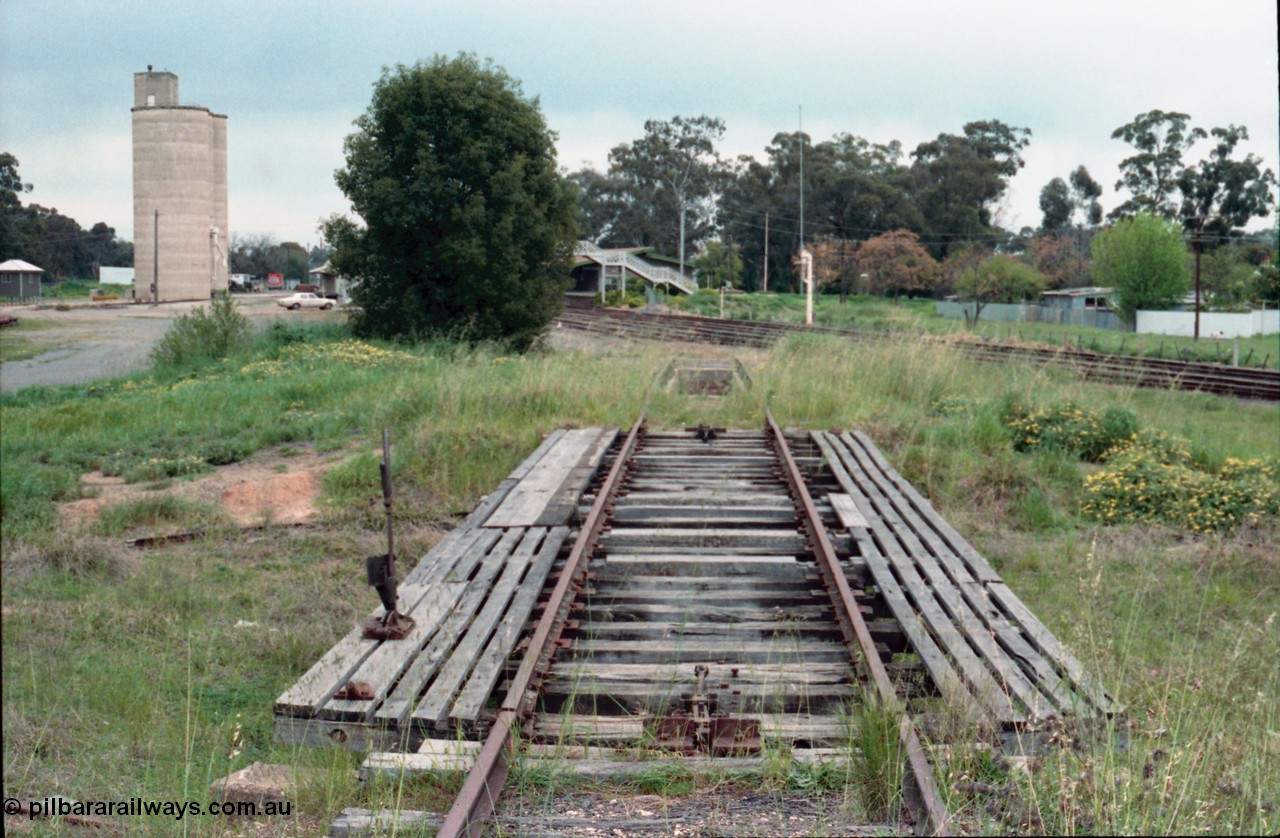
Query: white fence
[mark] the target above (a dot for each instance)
(1212, 323)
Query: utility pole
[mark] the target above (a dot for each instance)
(155, 259)
(800, 132)
(766, 251)
(1197, 242)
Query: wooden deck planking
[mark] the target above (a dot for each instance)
(484, 677)
(1009, 633)
(564, 501)
(400, 702)
(334, 668)
(847, 511)
(1036, 694)
(1040, 636)
(539, 487)
(383, 666)
(928, 585)
(923, 621)
(441, 561)
(439, 696)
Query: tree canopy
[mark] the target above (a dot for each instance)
(657, 187)
(50, 240)
(1151, 175)
(999, 279)
(1220, 195)
(1144, 259)
(467, 224)
(895, 263)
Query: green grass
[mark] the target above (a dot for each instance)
(919, 315)
(128, 672)
(80, 289)
(24, 340)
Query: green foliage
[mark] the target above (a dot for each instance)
(1151, 175)
(46, 238)
(877, 764)
(1055, 203)
(202, 336)
(1221, 195)
(468, 226)
(959, 179)
(1000, 279)
(718, 266)
(1088, 434)
(616, 298)
(1265, 284)
(659, 186)
(153, 512)
(1140, 485)
(1144, 260)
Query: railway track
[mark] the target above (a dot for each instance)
(1241, 382)
(714, 597)
(703, 608)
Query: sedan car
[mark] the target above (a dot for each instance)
(293, 302)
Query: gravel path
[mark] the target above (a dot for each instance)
(92, 342)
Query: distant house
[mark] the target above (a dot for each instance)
(598, 269)
(19, 280)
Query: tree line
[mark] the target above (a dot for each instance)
(922, 222)
(50, 240)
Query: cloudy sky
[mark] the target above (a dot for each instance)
(292, 76)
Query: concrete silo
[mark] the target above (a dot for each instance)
(179, 193)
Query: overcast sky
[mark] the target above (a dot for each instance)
(293, 75)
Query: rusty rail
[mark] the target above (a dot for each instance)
(478, 798)
(920, 791)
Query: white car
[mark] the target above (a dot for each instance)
(293, 302)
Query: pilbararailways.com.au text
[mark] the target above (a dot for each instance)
(137, 807)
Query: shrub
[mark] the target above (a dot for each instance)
(1068, 427)
(616, 298)
(203, 336)
(1138, 485)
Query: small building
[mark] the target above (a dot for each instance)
(19, 280)
(600, 269)
(329, 284)
(1079, 299)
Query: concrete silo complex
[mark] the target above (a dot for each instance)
(179, 193)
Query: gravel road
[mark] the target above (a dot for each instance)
(90, 342)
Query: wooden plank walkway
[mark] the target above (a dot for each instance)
(979, 642)
(702, 564)
(471, 597)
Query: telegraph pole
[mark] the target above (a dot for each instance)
(766, 251)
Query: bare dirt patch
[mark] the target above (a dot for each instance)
(278, 487)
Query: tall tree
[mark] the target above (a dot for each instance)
(1085, 192)
(662, 186)
(1221, 195)
(959, 178)
(1144, 259)
(1151, 175)
(1055, 203)
(468, 226)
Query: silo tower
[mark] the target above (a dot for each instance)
(179, 193)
